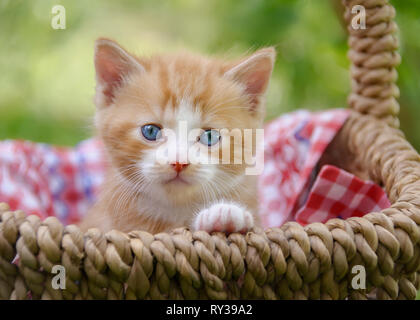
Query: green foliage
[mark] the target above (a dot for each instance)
(47, 76)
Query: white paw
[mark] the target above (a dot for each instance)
(224, 217)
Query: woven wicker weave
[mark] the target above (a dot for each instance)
(291, 262)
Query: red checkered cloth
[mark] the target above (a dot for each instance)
(290, 188)
(339, 194)
(64, 182)
(51, 181)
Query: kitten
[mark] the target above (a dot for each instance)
(137, 100)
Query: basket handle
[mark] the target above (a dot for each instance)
(374, 58)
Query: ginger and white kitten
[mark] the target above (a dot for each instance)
(138, 97)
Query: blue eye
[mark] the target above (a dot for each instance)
(210, 137)
(150, 131)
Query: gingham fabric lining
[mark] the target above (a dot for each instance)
(293, 146)
(339, 194)
(51, 181)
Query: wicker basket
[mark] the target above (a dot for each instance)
(291, 262)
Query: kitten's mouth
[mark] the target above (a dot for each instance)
(177, 180)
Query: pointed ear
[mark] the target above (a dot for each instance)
(254, 73)
(112, 64)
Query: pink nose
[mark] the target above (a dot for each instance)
(178, 167)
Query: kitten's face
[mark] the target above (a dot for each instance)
(152, 112)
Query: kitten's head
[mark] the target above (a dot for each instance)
(147, 107)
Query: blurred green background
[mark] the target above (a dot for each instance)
(47, 75)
